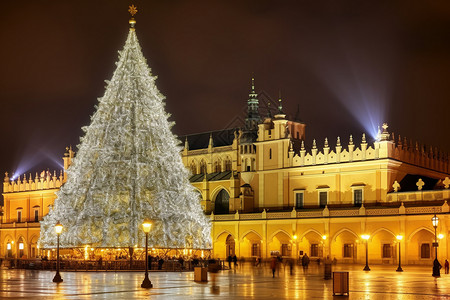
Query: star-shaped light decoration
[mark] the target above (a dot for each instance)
(132, 10)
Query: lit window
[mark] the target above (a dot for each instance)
(357, 197)
(20, 246)
(8, 246)
(323, 198)
(299, 199)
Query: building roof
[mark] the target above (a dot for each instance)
(201, 140)
(408, 183)
(211, 177)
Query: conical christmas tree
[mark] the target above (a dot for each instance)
(128, 168)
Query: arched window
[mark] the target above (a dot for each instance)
(193, 168)
(203, 169)
(228, 164)
(222, 203)
(218, 165)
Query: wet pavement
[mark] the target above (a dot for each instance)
(245, 282)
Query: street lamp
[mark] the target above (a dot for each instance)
(366, 237)
(436, 265)
(146, 226)
(58, 229)
(399, 239)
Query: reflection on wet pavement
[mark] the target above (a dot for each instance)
(244, 282)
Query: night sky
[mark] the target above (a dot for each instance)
(348, 66)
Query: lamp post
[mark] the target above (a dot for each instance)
(436, 265)
(366, 237)
(399, 239)
(58, 229)
(146, 226)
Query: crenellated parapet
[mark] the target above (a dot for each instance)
(43, 181)
(384, 147)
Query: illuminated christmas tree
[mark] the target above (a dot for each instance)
(128, 168)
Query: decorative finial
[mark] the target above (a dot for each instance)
(326, 142)
(303, 145)
(314, 144)
(351, 140)
(364, 139)
(338, 143)
(132, 10)
(280, 105)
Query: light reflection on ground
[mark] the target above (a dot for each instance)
(244, 282)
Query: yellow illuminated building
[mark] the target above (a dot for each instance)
(267, 194)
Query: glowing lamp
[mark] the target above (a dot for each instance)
(295, 237)
(399, 237)
(58, 228)
(435, 221)
(324, 237)
(365, 237)
(146, 226)
(440, 236)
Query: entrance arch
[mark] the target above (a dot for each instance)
(222, 202)
(230, 246)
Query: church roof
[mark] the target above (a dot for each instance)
(211, 177)
(201, 140)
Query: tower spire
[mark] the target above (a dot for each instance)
(280, 104)
(253, 118)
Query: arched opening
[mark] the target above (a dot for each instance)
(33, 247)
(420, 247)
(312, 244)
(281, 245)
(382, 247)
(230, 246)
(21, 248)
(344, 247)
(222, 202)
(251, 245)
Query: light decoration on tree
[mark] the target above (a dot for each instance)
(128, 168)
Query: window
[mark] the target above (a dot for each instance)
(270, 153)
(425, 251)
(270, 132)
(284, 250)
(299, 199)
(193, 168)
(36, 215)
(314, 250)
(387, 253)
(8, 246)
(348, 250)
(228, 165)
(323, 198)
(19, 216)
(357, 197)
(202, 167)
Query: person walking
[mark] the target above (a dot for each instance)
(273, 265)
(446, 266)
(305, 261)
(235, 261)
(229, 259)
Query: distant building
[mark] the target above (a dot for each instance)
(268, 195)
